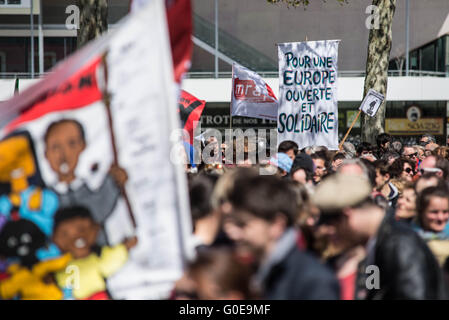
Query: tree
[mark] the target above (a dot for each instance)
(93, 20)
(379, 47)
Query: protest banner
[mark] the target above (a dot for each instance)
(308, 82)
(251, 96)
(96, 133)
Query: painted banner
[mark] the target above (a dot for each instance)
(179, 18)
(87, 188)
(308, 109)
(251, 96)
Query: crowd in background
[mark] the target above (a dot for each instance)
(365, 222)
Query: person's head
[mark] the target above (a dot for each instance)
(283, 163)
(337, 160)
(382, 174)
(436, 165)
(302, 168)
(219, 275)
(364, 149)
(348, 211)
(442, 152)
(383, 141)
(349, 150)
(426, 139)
(289, 147)
(263, 207)
(206, 220)
(397, 146)
(75, 231)
(430, 148)
(64, 142)
(433, 209)
(410, 153)
(428, 180)
(402, 169)
(390, 156)
(406, 205)
(354, 167)
(321, 165)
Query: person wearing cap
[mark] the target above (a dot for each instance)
(398, 263)
(283, 162)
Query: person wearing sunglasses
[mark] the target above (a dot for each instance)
(436, 165)
(402, 170)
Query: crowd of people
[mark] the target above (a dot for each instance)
(365, 222)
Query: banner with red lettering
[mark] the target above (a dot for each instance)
(251, 96)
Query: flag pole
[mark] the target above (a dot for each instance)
(107, 102)
(349, 130)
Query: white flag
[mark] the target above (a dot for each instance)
(251, 96)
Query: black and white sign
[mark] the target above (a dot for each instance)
(372, 102)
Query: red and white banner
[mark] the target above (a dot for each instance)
(251, 96)
(97, 133)
(179, 18)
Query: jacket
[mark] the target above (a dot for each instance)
(407, 267)
(291, 274)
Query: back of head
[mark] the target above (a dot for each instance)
(349, 150)
(287, 145)
(200, 191)
(265, 197)
(224, 272)
(382, 139)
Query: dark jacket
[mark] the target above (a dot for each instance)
(407, 267)
(290, 274)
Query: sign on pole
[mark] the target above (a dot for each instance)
(308, 82)
(373, 100)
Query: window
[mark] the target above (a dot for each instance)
(428, 58)
(2, 62)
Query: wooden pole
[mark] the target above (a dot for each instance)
(107, 102)
(349, 130)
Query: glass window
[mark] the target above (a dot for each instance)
(414, 60)
(428, 58)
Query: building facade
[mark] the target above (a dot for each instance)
(247, 33)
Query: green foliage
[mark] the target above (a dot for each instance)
(297, 3)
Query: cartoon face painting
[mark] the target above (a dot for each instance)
(64, 142)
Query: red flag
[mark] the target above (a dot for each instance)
(179, 19)
(190, 109)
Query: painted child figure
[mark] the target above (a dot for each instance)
(75, 232)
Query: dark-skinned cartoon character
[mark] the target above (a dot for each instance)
(28, 278)
(75, 232)
(64, 142)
